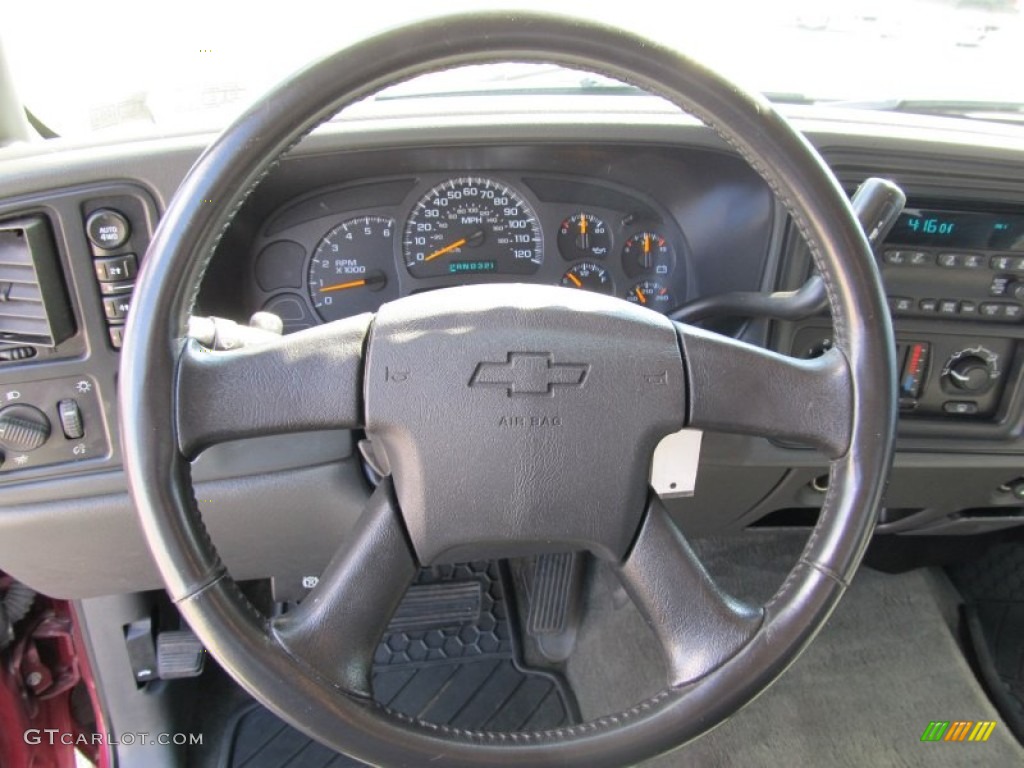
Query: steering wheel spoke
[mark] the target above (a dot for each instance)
(304, 381)
(336, 628)
(699, 626)
(520, 418)
(738, 387)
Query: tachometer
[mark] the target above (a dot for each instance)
(472, 225)
(347, 274)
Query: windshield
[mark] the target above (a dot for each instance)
(129, 68)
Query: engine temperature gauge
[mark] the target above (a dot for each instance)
(588, 276)
(582, 235)
(651, 294)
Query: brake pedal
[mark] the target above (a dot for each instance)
(179, 655)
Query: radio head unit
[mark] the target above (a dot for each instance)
(956, 265)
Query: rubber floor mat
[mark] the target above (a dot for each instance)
(451, 656)
(993, 588)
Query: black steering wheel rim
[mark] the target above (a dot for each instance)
(158, 473)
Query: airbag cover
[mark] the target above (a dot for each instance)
(521, 417)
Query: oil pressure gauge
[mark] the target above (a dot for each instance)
(583, 235)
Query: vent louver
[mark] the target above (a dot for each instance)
(33, 303)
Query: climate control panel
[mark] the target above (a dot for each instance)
(939, 375)
(945, 376)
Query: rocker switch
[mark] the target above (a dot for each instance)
(70, 419)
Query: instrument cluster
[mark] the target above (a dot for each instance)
(340, 252)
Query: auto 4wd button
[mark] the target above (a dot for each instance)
(107, 229)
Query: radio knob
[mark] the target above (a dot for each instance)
(23, 428)
(970, 374)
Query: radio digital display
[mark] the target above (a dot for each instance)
(959, 229)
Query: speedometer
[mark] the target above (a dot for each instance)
(472, 225)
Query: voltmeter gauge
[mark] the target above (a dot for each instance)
(648, 251)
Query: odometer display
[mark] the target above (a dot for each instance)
(472, 224)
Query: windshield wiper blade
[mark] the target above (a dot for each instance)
(979, 110)
(790, 97)
(563, 90)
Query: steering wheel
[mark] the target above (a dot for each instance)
(483, 401)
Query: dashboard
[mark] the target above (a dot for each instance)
(660, 213)
(651, 225)
(346, 250)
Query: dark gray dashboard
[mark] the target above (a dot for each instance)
(275, 505)
(705, 209)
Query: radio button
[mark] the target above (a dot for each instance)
(968, 308)
(901, 304)
(895, 257)
(1013, 311)
(950, 260)
(919, 258)
(928, 305)
(1001, 263)
(973, 261)
(949, 307)
(999, 286)
(991, 309)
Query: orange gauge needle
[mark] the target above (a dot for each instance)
(640, 295)
(447, 249)
(343, 286)
(576, 281)
(647, 243)
(583, 224)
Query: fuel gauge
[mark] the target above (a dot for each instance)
(588, 276)
(583, 235)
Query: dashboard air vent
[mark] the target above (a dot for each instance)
(33, 303)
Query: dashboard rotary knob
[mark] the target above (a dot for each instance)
(23, 428)
(970, 372)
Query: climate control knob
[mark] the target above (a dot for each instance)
(23, 428)
(972, 370)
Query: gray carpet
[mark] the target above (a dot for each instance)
(886, 664)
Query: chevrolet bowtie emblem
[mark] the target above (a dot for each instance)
(529, 373)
